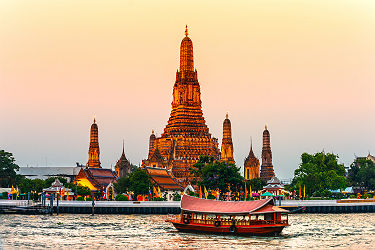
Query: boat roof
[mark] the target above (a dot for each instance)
(193, 204)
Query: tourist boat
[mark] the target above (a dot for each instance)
(259, 217)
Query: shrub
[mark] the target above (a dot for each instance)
(159, 199)
(4, 195)
(211, 196)
(121, 197)
(80, 198)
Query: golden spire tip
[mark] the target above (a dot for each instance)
(186, 31)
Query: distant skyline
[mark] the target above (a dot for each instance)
(304, 68)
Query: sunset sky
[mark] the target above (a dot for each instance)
(306, 68)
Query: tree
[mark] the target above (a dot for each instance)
(27, 185)
(216, 175)
(122, 185)
(319, 172)
(256, 184)
(8, 169)
(137, 182)
(362, 173)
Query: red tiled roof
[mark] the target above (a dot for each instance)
(193, 204)
(269, 209)
(163, 178)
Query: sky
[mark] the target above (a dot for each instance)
(305, 68)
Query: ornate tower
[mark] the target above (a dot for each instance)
(266, 171)
(227, 144)
(122, 166)
(94, 152)
(186, 136)
(151, 143)
(251, 165)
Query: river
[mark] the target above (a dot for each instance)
(67, 231)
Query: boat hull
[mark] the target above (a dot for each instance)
(265, 230)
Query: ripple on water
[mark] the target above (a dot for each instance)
(151, 231)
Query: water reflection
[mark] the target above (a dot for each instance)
(150, 231)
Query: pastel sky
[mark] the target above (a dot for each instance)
(306, 68)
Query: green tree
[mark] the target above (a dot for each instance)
(8, 169)
(216, 175)
(362, 173)
(256, 184)
(27, 185)
(122, 185)
(319, 172)
(78, 189)
(137, 182)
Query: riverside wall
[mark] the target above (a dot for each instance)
(173, 207)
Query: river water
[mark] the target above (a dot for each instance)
(69, 231)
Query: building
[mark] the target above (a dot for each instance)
(96, 179)
(45, 172)
(186, 136)
(122, 166)
(164, 179)
(227, 144)
(251, 165)
(266, 169)
(93, 175)
(274, 187)
(94, 151)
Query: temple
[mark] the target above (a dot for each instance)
(122, 166)
(251, 165)
(94, 152)
(186, 135)
(266, 170)
(227, 144)
(93, 175)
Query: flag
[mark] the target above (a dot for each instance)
(156, 192)
(245, 192)
(251, 193)
(9, 195)
(205, 192)
(300, 191)
(63, 192)
(18, 193)
(159, 192)
(104, 194)
(200, 192)
(67, 193)
(12, 191)
(149, 190)
(113, 192)
(107, 191)
(304, 191)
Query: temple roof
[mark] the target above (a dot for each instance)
(193, 204)
(163, 178)
(99, 177)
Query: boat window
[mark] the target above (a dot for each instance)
(260, 217)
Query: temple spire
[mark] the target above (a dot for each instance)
(186, 53)
(94, 151)
(123, 146)
(227, 144)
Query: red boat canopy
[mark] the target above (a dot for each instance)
(193, 204)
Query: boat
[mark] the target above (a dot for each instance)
(259, 217)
